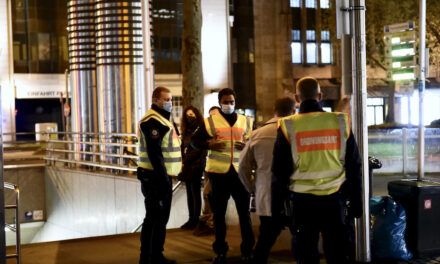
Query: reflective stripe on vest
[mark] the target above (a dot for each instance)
(170, 146)
(218, 128)
(318, 145)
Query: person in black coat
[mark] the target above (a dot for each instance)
(193, 165)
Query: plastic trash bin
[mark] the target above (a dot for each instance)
(421, 200)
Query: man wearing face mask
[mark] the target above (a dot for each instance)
(159, 158)
(224, 135)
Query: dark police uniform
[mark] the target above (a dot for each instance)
(156, 187)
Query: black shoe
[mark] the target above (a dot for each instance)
(163, 260)
(246, 260)
(219, 259)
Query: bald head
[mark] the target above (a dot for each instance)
(307, 88)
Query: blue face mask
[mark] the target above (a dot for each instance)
(227, 109)
(168, 106)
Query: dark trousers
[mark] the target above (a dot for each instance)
(157, 212)
(269, 231)
(320, 214)
(194, 196)
(223, 187)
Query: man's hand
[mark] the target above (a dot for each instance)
(215, 145)
(239, 145)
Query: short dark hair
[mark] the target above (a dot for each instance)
(225, 91)
(284, 106)
(158, 90)
(214, 107)
(308, 88)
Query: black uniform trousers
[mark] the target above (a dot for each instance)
(270, 228)
(157, 212)
(223, 186)
(194, 196)
(314, 214)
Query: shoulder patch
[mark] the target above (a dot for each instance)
(154, 133)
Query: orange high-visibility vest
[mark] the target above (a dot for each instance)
(218, 128)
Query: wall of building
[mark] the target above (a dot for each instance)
(32, 194)
(6, 69)
(273, 67)
(83, 204)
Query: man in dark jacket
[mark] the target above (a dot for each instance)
(318, 196)
(159, 158)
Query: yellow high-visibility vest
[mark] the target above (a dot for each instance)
(318, 143)
(170, 146)
(218, 128)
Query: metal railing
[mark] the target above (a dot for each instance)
(16, 227)
(407, 138)
(115, 151)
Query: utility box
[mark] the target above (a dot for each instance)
(45, 127)
(421, 200)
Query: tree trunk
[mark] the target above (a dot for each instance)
(192, 81)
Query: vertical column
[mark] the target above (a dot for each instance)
(119, 60)
(81, 26)
(6, 69)
(215, 44)
(2, 192)
(360, 128)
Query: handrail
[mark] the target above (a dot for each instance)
(94, 164)
(93, 153)
(90, 143)
(15, 229)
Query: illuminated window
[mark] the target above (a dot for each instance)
(295, 3)
(311, 52)
(310, 35)
(310, 3)
(324, 4)
(375, 111)
(296, 52)
(296, 35)
(326, 53)
(325, 35)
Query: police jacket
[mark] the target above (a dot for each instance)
(282, 168)
(154, 131)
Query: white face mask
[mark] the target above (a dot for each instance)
(227, 109)
(168, 106)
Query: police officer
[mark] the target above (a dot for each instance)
(224, 135)
(316, 158)
(159, 158)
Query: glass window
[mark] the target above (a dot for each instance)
(324, 3)
(311, 52)
(325, 35)
(310, 35)
(310, 3)
(39, 40)
(295, 3)
(296, 52)
(326, 53)
(296, 35)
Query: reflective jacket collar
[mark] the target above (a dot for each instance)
(164, 113)
(310, 106)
